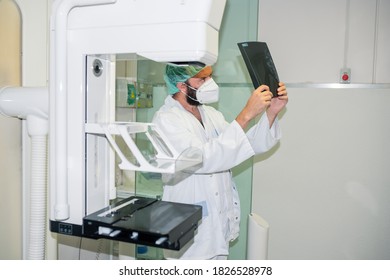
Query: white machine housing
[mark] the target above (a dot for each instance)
(179, 31)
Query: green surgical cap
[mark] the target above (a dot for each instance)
(176, 74)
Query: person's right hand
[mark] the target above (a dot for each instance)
(257, 103)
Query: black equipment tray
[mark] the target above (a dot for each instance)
(145, 221)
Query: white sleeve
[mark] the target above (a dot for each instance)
(261, 137)
(224, 152)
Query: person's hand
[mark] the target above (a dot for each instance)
(277, 103)
(257, 103)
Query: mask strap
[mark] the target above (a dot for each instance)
(190, 96)
(190, 86)
(193, 99)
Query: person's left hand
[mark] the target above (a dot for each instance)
(278, 103)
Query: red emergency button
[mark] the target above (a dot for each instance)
(345, 77)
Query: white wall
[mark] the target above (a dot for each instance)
(312, 40)
(325, 190)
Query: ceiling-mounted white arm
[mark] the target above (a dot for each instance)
(63, 8)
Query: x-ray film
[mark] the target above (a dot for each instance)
(260, 65)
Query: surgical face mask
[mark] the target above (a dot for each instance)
(208, 92)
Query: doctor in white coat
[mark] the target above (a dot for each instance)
(187, 122)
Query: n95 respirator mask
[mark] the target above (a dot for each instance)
(208, 92)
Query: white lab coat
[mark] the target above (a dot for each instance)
(223, 145)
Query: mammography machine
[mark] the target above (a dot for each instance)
(87, 39)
